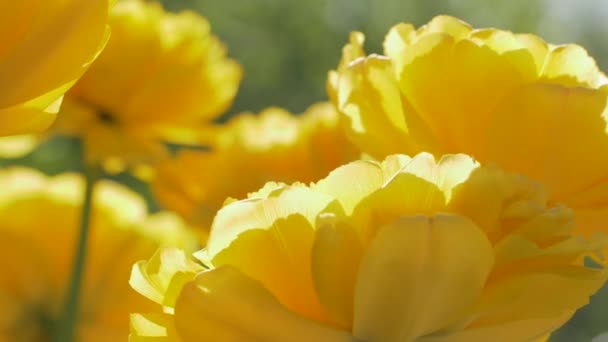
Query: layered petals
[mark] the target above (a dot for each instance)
(162, 78)
(234, 307)
(504, 98)
(271, 146)
(408, 249)
(420, 275)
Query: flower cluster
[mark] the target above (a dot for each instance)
(38, 227)
(453, 189)
(273, 146)
(418, 250)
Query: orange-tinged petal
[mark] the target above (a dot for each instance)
(225, 305)
(420, 275)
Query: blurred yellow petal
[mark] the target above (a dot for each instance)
(17, 146)
(70, 35)
(272, 146)
(162, 78)
(38, 226)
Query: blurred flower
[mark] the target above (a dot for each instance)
(249, 151)
(162, 78)
(45, 46)
(39, 218)
(512, 99)
(16, 146)
(405, 250)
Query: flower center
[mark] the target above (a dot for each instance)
(106, 118)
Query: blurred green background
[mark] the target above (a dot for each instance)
(286, 48)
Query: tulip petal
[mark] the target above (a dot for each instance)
(282, 251)
(69, 34)
(422, 186)
(156, 327)
(420, 275)
(452, 26)
(339, 183)
(18, 145)
(572, 66)
(522, 330)
(258, 213)
(446, 81)
(279, 231)
(336, 255)
(529, 291)
(538, 119)
(369, 86)
(161, 278)
(226, 305)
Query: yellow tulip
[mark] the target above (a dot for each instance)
(408, 249)
(249, 151)
(39, 218)
(162, 78)
(45, 46)
(511, 99)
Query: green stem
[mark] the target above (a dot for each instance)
(67, 325)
